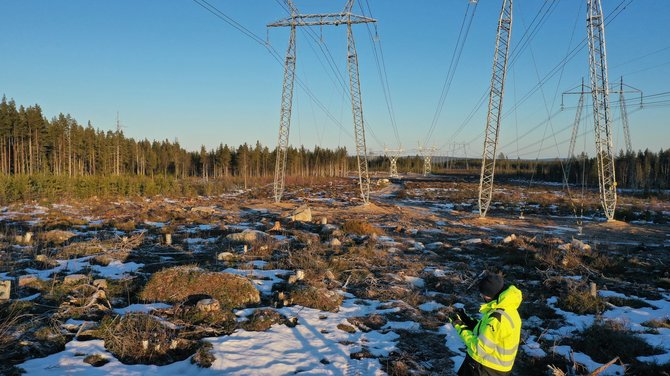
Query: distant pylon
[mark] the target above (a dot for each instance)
(427, 154)
(393, 155)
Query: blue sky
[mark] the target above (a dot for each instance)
(173, 70)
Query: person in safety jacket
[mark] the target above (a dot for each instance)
(491, 342)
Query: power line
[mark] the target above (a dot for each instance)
(453, 65)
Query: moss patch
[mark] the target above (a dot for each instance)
(176, 284)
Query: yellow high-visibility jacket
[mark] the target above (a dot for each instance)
(495, 339)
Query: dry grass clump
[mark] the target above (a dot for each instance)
(346, 328)
(581, 302)
(628, 302)
(142, 339)
(368, 323)
(221, 321)
(96, 360)
(176, 284)
(317, 298)
(204, 358)
(603, 341)
(359, 227)
(312, 260)
(658, 323)
(262, 319)
(12, 315)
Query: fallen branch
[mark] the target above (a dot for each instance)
(604, 367)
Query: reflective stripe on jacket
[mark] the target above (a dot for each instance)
(495, 339)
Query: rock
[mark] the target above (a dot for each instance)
(168, 239)
(276, 227)
(24, 239)
(509, 239)
(26, 280)
(42, 258)
(5, 289)
(74, 278)
(324, 221)
(335, 242)
(101, 283)
(208, 305)
(58, 236)
(329, 275)
(579, 245)
(225, 256)
(435, 246)
(328, 229)
(203, 210)
(302, 214)
(249, 236)
(472, 241)
(298, 276)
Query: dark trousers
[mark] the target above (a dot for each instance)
(471, 367)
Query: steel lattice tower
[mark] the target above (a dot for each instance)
(427, 154)
(393, 156)
(335, 19)
(601, 107)
(500, 58)
(624, 118)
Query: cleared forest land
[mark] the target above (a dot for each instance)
(236, 284)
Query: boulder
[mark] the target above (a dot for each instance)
(579, 245)
(5, 289)
(302, 214)
(298, 276)
(509, 239)
(249, 236)
(225, 256)
(101, 283)
(472, 241)
(58, 236)
(26, 280)
(208, 305)
(335, 242)
(208, 210)
(74, 278)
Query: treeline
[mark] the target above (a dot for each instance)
(32, 144)
(39, 155)
(646, 170)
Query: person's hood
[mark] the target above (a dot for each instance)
(510, 298)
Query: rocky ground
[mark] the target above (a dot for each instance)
(321, 284)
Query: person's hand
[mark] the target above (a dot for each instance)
(455, 319)
(468, 321)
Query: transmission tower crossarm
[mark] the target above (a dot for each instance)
(493, 118)
(334, 19)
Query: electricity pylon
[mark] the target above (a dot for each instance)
(301, 20)
(622, 90)
(624, 112)
(601, 107)
(427, 154)
(500, 58)
(393, 155)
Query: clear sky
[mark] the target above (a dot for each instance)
(173, 70)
